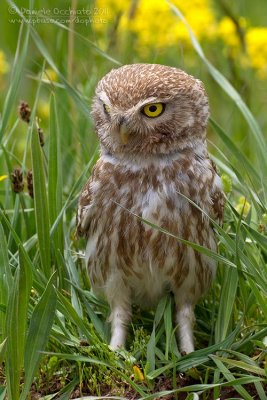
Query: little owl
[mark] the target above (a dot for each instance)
(151, 121)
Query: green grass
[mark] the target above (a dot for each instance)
(53, 330)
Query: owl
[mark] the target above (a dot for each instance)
(148, 189)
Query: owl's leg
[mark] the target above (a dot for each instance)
(119, 299)
(185, 319)
(120, 317)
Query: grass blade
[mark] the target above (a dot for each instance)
(70, 313)
(227, 299)
(5, 278)
(41, 205)
(232, 93)
(151, 356)
(230, 377)
(16, 323)
(240, 157)
(76, 187)
(38, 334)
(55, 187)
(78, 99)
(197, 357)
(245, 366)
(96, 321)
(39, 281)
(203, 387)
(14, 79)
(168, 327)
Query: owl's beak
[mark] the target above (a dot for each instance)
(124, 133)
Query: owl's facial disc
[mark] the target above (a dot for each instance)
(150, 110)
(124, 133)
(130, 126)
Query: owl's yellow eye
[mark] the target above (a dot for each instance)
(106, 108)
(153, 110)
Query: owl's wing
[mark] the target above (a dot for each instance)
(217, 196)
(83, 214)
(86, 204)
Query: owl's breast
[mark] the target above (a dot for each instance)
(150, 198)
(136, 217)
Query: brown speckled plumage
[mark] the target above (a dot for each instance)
(163, 163)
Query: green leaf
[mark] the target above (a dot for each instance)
(41, 204)
(244, 365)
(259, 138)
(240, 157)
(260, 297)
(90, 360)
(197, 357)
(5, 278)
(55, 187)
(16, 322)
(160, 309)
(65, 392)
(78, 99)
(97, 322)
(227, 300)
(39, 277)
(75, 188)
(230, 377)
(168, 327)
(2, 393)
(70, 313)
(40, 326)
(151, 357)
(16, 73)
(203, 387)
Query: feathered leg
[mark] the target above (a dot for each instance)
(185, 319)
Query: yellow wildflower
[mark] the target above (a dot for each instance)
(243, 206)
(49, 75)
(227, 32)
(3, 177)
(138, 374)
(4, 66)
(148, 27)
(256, 41)
(43, 109)
(155, 25)
(111, 9)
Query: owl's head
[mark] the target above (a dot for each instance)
(149, 109)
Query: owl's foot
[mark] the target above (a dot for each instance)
(118, 337)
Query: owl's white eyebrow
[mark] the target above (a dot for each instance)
(147, 101)
(104, 98)
(152, 100)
